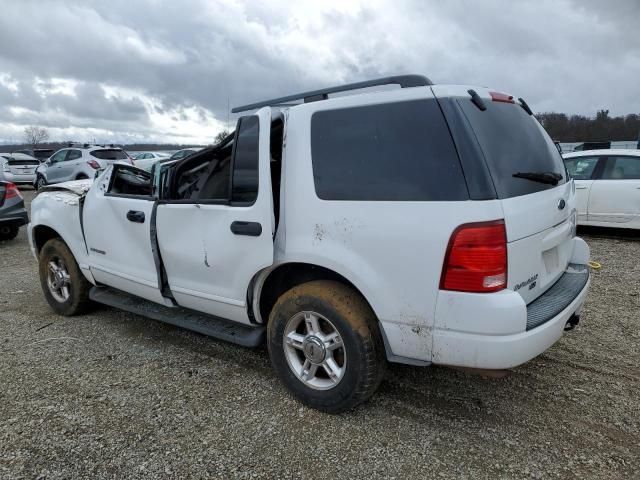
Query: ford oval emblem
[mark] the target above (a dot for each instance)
(561, 204)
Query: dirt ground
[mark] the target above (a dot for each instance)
(113, 395)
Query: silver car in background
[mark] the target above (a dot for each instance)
(75, 163)
(18, 168)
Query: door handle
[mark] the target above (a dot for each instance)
(581, 188)
(252, 229)
(135, 216)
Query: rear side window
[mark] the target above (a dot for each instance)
(513, 142)
(109, 154)
(245, 161)
(395, 151)
(581, 168)
(622, 168)
(74, 155)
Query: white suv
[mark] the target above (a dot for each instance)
(75, 163)
(429, 224)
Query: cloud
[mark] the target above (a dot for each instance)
(161, 70)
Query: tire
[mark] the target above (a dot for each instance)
(8, 232)
(356, 351)
(81, 176)
(77, 286)
(40, 182)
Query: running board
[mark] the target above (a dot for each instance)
(181, 317)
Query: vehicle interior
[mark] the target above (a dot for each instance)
(206, 175)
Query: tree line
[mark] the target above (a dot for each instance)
(579, 128)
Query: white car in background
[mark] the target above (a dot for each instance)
(607, 187)
(18, 168)
(145, 160)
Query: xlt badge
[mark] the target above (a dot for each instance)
(531, 282)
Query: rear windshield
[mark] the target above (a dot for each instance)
(109, 154)
(42, 153)
(513, 142)
(394, 151)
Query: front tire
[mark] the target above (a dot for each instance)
(40, 182)
(325, 345)
(65, 287)
(8, 232)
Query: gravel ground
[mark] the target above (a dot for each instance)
(114, 395)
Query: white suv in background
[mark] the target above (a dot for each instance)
(607, 187)
(428, 224)
(75, 163)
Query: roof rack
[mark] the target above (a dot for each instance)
(404, 81)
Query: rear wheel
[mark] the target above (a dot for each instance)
(81, 176)
(8, 232)
(325, 346)
(65, 287)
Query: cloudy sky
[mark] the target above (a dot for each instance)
(153, 70)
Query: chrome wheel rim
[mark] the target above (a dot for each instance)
(314, 350)
(58, 280)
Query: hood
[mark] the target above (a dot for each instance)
(79, 187)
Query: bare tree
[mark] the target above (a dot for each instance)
(220, 136)
(34, 135)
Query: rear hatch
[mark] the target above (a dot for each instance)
(20, 166)
(528, 176)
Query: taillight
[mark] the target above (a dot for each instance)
(476, 259)
(93, 164)
(501, 97)
(12, 191)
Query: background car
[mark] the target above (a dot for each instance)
(18, 168)
(607, 187)
(75, 163)
(40, 153)
(185, 152)
(12, 212)
(145, 160)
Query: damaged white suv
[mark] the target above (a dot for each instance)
(426, 224)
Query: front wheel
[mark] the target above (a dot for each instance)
(65, 287)
(325, 346)
(40, 182)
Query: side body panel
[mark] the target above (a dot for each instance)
(60, 211)
(615, 203)
(392, 251)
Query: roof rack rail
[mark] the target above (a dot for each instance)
(404, 81)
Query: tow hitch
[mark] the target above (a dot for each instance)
(572, 322)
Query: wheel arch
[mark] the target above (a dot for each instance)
(269, 284)
(42, 234)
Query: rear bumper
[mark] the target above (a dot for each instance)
(14, 216)
(507, 317)
(19, 179)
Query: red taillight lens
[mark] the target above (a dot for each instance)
(501, 97)
(476, 259)
(12, 191)
(94, 164)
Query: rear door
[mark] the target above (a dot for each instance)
(530, 179)
(213, 243)
(582, 170)
(615, 198)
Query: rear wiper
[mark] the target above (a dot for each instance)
(550, 178)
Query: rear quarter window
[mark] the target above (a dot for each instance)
(513, 141)
(399, 151)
